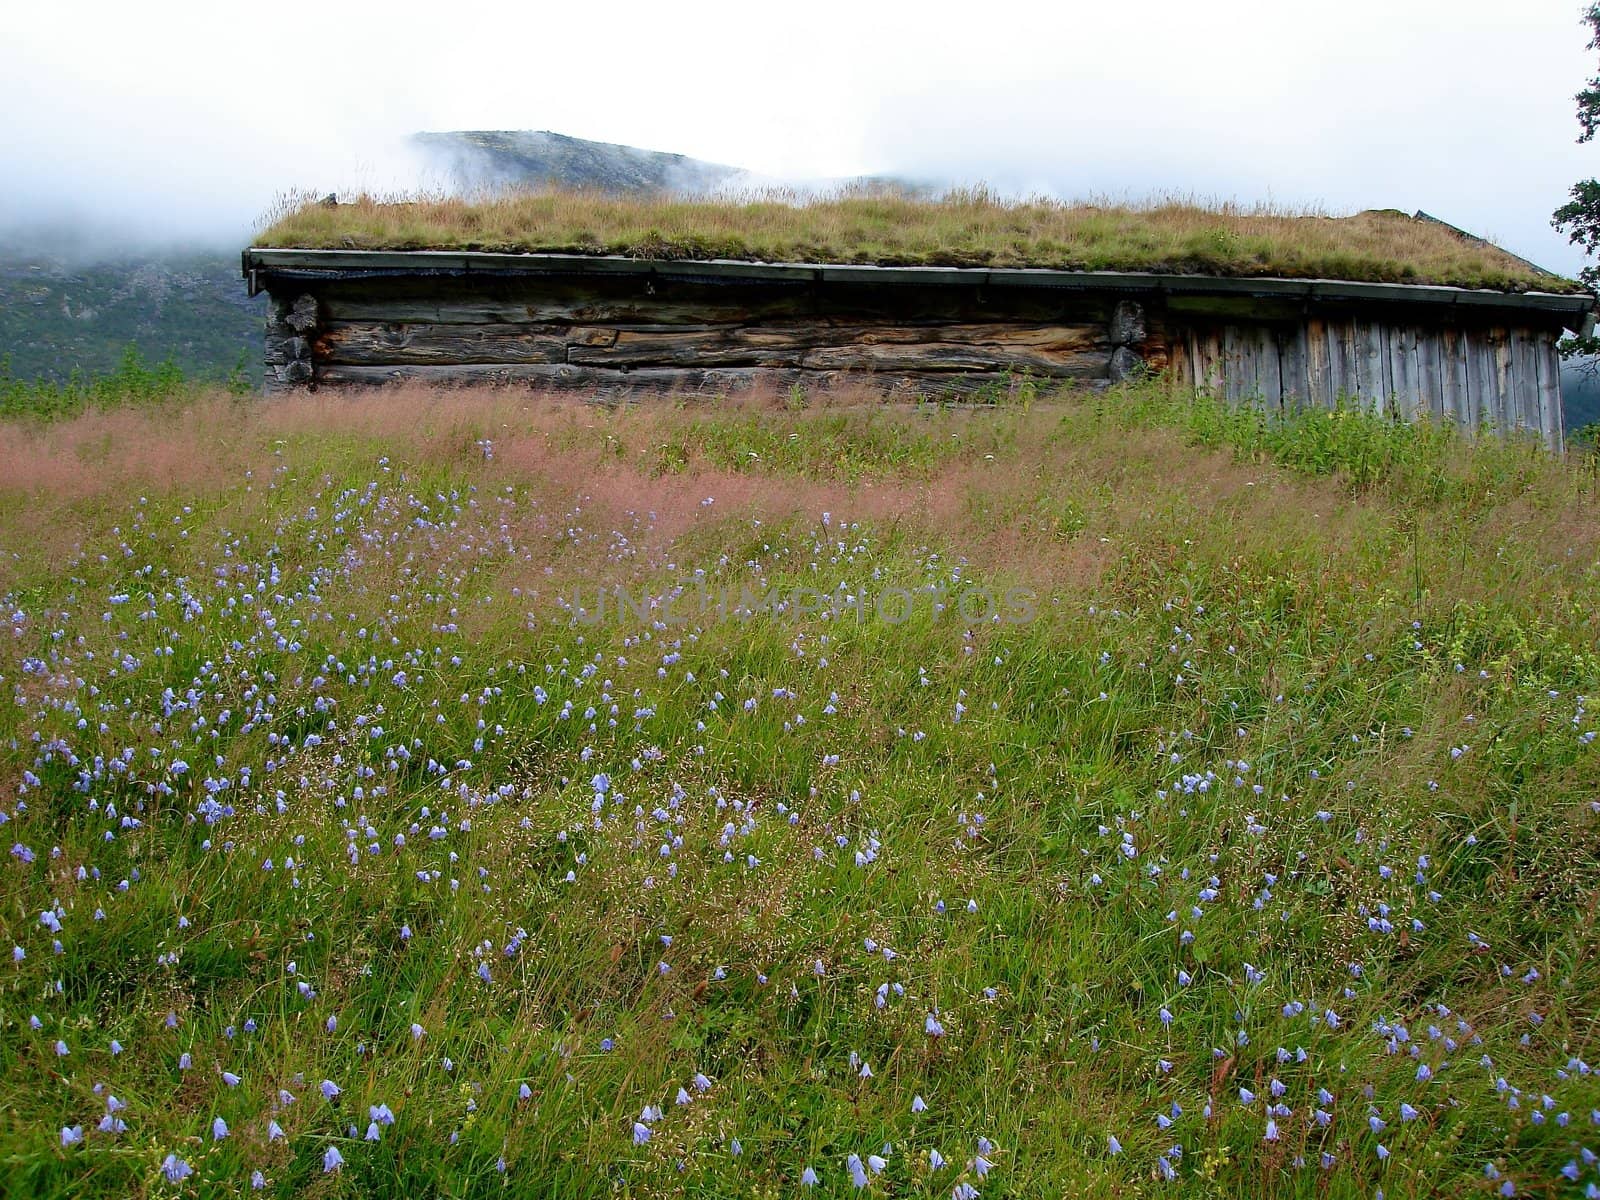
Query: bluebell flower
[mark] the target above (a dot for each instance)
(808, 1178)
(332, 1160)
(71, 1135)
(174, 1169)
(219, 1129)
(858, 1173)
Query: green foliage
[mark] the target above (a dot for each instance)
(134, 382)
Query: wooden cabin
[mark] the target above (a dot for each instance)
(1484, 359)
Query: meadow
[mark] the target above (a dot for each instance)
(1088, 795)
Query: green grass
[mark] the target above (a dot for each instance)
(1287, 688)
(963, 229)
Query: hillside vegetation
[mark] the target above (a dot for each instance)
(886, 227)
(68, 310)
(1093, 796)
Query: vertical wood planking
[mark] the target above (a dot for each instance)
(1269, 368)
(1504, 400)
(1340, 334)
(1525, 380)
(1208, 360)
(1547, 382)
(1490, 377)
(1231, 383)
(1486, 406)
(1293, 369)
(1452, 379)
(1403, 355)
(1321, 360)
(1371, 382)
(1430, 390)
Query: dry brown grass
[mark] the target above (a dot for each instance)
(967, 229)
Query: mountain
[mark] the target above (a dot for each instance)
(65, 306)
(62, 311)
(478, 159)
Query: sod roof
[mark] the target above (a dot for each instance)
(964, 229)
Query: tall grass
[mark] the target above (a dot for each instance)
(1259, 859)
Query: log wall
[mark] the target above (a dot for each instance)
(1484, 362)
(612, 335)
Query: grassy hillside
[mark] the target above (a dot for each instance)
(1251, 848)
(62, 312)
(960, 229)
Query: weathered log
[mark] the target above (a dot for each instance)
(938, 357)
(605, 383)
(1047, 349)
(367, 344)
(488, 300)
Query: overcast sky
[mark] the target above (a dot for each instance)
(171, 119)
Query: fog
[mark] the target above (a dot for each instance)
(185, 123)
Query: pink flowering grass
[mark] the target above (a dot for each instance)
(341, 858)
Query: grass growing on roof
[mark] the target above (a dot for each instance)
(1258, 859)
(964, 229)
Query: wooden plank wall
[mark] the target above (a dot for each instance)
(1491, 378)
